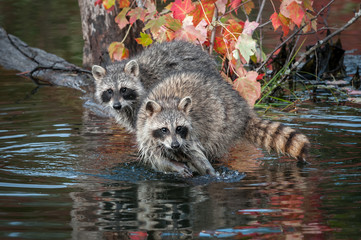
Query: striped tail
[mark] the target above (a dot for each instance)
(276, 136)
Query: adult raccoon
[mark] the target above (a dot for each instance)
(195, 117)
(120, 86)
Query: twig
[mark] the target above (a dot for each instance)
(260, 11)
(213, 34)
(291, 36)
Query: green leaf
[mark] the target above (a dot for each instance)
(155, 24)
(144, 40)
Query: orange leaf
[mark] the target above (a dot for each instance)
(123, 3)
(190, 33)
(198, 13)
(248, 6)
(220, 46)
(234, 27)
(276, 22)
(117, 51)
(296, 13)
(121, 19)
(248, 87)
(137, 14)
(181, 8)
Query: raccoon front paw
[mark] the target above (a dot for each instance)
(181, 169)
(186, 172)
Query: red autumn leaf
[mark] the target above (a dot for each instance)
(247, 5)
(98, 2)
(285, 24)
(276, 22)
(181, 8)
(234, 4)
(198, 13)
(123, 3)
(121, 19)
(190, 33)
(117, 51)
(137, 14)
(296, 13)
(220, 46)
(283, 8)
(236, 28)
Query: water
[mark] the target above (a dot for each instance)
(67, 173)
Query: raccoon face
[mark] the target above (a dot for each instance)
(118, 87)
(169, 127)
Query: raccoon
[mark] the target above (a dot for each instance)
(192, 118)
(120, 86)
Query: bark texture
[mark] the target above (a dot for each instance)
(40, 66)
(100, 30)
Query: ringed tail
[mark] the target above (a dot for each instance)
(278, 137)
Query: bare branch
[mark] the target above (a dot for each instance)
(260, 11)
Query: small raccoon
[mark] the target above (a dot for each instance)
(120, 86)
(195, 117)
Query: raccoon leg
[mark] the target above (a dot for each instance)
(174, 166)
(201, 163)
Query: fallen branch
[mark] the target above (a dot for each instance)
(39, 65)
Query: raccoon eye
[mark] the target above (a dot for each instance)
(164, 130)
(123, 90)
(178, 129)
(110, 91)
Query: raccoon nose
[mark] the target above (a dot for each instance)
(175, 145)
(117, 106)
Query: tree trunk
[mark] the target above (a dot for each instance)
(100, 30)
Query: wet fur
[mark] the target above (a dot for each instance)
(151, 65)
(217, 119)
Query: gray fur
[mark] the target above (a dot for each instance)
(216, 117)
(141, 72)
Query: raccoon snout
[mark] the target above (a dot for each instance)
(117, 106)
(175, 145)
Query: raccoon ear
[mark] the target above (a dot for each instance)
(152, 107)
(132, 68)
(98, 72)
(185, 104)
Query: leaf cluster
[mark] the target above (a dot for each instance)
(214, 24)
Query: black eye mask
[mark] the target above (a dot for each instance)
(107, 95)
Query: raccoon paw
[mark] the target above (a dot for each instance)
(182, 169)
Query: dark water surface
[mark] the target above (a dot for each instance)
(66, 173)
